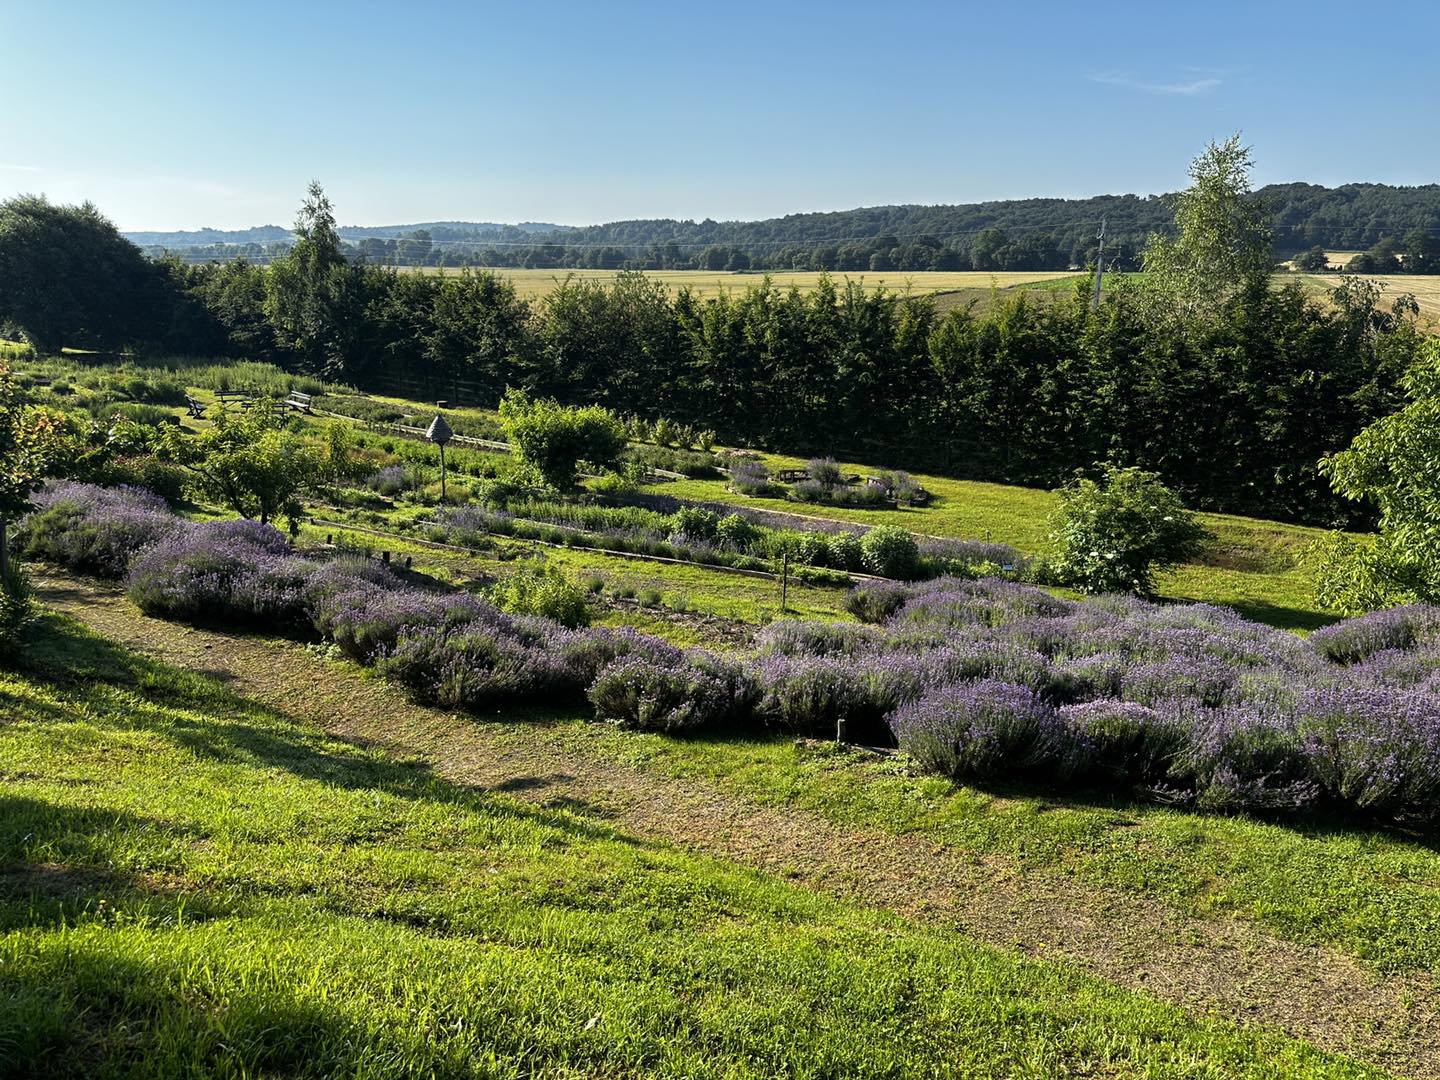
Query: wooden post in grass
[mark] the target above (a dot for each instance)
(440, 433)
(784, 582)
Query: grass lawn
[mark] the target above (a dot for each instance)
(192, 885)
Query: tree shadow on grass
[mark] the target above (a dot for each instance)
(85, 1009)
(215, 723)
(75, 874)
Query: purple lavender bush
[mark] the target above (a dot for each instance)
(1377, 749)
(1354, 640)
(474, 665)
(94, 530)
(792, 637)
(1123, 741)
(688, 693)
(982, 730)
(365, 622)
(221, 572)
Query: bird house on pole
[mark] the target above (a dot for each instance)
(440, 433)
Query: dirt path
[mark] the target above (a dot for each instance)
(1223, 967)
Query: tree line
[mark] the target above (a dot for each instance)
(1017, 234)
(1228, 388)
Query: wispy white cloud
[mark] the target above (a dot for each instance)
(5, 167)
(1190, 88)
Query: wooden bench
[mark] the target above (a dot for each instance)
(792, 476)
(233, 397)
(299, 402)
(194, 408)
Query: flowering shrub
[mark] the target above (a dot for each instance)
(221, 572)
(1112, 536)
(876, 601)
(1378, 749)
(794, 638)
(678, 694)
(1354, 640)
(981, 730)
(92, 529)
(1121, 739)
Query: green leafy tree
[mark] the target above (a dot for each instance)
(553, 439)
(1314, 261)
(67, 277)
(29, 441)
(1394, 465)
(1114, 534)
(1223, 244)
(313, 295)
(252, 463)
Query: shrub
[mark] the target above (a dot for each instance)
(889, 551)
(735, 533)
(793, 638)
(1354, 640)
(1114, 535)
(17, 609)
(1245, 758)
(861, 497)
(92, 529)
(876, 601)
(1122, 739)
(749, 477)
(221, 572)
(810, 694)
(391, 481)
(844, 551)
(553, 439)
(145, 471)
(980, 730)
(1378, 749)
(686, 694)
(824, 471)
(809, 491)
(695, 523)
(475, 664)
(365, 621)
(546, 593)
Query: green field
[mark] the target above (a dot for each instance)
(532, 284)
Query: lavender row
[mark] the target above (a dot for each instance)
(982, 681)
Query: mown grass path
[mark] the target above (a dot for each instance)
(1223, 967)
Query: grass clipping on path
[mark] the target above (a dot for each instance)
(191, 885)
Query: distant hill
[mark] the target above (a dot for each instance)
(1015, 234)
(270, 234)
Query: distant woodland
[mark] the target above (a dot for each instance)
(1400, 224)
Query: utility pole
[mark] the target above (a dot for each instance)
(1099, 265)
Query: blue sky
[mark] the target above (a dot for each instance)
(187, 115)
